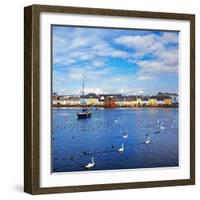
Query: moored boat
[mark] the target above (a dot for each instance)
(85, 113)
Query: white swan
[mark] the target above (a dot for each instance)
(162, 127)
(121, 149)
(90, 165)
(148, 140)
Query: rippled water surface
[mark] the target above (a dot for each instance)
(76, 141)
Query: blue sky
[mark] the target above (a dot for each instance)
(114, 60)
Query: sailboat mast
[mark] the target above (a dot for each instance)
(83, 89)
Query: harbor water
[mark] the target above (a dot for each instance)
(149, 137)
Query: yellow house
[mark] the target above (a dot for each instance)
(92, 101)
(152, 101)
(168, 101)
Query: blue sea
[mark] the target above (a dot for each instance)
(76, 141)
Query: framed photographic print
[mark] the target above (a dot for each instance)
(109, 99)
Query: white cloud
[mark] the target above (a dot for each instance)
(84, 55)
(168, 56)
(144, 42)
(150, 44)
(169, 37)
(103, 49)
(131, 91)
(79, 45)
(76, 76)
(141, 92)
(94, 90)
(164, 58)
(120, 79)
(98, 63)
(143, 78)
(156, 67)
(137, 42)
(78, 73)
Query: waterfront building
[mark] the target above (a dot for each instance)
(72, 101)
(92, 99)
(152, 101)
(54, 98)
(82, 101)
(134, 100)
(101, 100)
(106, 97)
(160, 100)
(139, 101)
(120, 101)
(110, 102)
(55, 101)
(173, 96)
(144, 101)
(61, 100)
(128, 101)
(167, 101)
(66, 100)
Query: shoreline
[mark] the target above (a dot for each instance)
(81, 106)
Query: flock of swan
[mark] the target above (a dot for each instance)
(122, 148)
(92, 164)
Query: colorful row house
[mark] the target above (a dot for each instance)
(92, 99)
(66, 100)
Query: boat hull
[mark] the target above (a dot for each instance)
(84, 115)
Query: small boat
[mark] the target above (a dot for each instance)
(85, 113)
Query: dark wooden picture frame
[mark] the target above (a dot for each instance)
(32, 96)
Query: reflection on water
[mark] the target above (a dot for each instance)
(149, 137)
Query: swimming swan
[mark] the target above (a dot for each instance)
(125, 135)
(121, 149)
(148, 140)
(90, 165)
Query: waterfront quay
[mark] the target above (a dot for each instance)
(115, 100)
